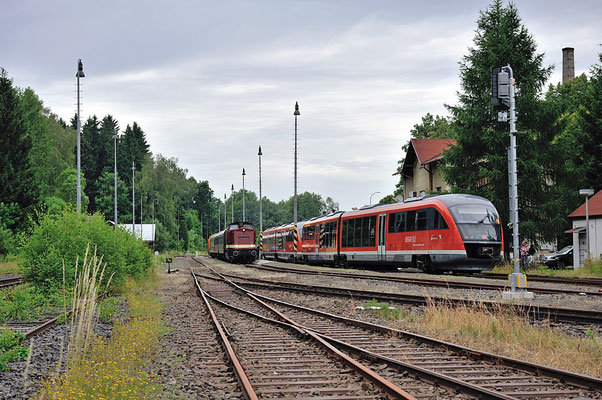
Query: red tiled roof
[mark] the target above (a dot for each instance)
(429, 150)
(595, 207)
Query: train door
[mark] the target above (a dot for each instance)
(382, 232)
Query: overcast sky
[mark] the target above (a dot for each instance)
(210, 81)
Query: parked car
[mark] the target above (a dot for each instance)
(560, 258)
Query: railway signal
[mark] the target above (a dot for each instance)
(503, 99)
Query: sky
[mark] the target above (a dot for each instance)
(210, 81)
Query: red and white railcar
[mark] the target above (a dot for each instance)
(280, 243)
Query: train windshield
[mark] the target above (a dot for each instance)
(477, 222)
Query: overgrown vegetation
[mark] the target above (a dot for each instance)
(591, 269)
(57, 242)
(11, 348)
(26, 303)
(503, 332)
(117, 367)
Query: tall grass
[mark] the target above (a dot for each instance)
(503, 332)
(115, 367)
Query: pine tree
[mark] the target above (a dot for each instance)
(16, 175)
(479, 164)
(591, 114)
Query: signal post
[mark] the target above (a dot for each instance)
(503, 101)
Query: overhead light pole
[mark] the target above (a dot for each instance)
(154, 236)
(232, 200)
(115, 173)
(142, 197)
(244, 217)
(296, 113)
(133, 199)
(260, 200)
(219, 218)
(79, 74)
(225, 210)
(586, 193)
(371, 197)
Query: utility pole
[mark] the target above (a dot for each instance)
(296, 113)
(244, 218)
(115, 173)
(179, 227)
(133, 199)
(232, 199)
(142, 197)
(154, 236)
(225, 210)
(219, 218)
(260, 207)
(503, 99)
(79, 74)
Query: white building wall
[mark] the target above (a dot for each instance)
(595, 239)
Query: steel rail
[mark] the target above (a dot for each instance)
(554, 279)
(367, 373)
(430, 376)
(241, 376)
(584, 381)
(418, 281)
(12, 281)
(535, 312)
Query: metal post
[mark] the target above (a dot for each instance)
(133, 199)
(260, 207)
(219, 218)
(153, 233)
(79, 74)
(587, 255)
(295, 200)
(142, 196)
(232, 199)
(225, 210)
(179, 227)
(518, 281)
(371, 197)
(115, 174)
(244, 217)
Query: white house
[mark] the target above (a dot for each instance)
(595, 231)
(144, 231)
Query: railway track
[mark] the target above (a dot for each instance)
(597, 282)
(419, 281)
(554, 314)
(457, 368)
(7, 281)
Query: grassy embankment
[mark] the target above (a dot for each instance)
(503, 333)
(117, 367)
(592, 269)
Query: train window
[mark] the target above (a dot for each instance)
(344, 232)
(368, 231)
(309, 232)
(410, 221)
(329, 235)
(438, 221)
(357, 240)
(421, 220)
(397, 222)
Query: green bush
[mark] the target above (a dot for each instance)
(63, 238)
(7, 241)
(10, 348)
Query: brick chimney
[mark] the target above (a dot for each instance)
(568, 64)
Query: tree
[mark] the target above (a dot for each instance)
(478, 163)
(106, 198)
(591, 114)
(67, 188)
(17, 179)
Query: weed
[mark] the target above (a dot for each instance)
(10, 348)
(25, 303)
(108, 308)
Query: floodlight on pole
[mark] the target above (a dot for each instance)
(225, 210)
(232, 201)
(244, 216)
(296, 113)
(115, 173)
(371, 197)
(260, 205)
(79, 74)
(133, 199)
(586, 193)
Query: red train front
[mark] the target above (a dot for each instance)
(234, 244)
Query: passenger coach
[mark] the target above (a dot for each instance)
(453, 232)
